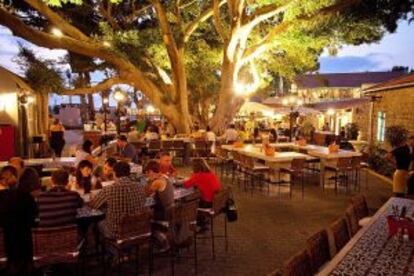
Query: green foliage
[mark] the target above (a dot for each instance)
(41, 74)
(378, 162)
(396, 135)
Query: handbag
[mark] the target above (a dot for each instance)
(231, 210)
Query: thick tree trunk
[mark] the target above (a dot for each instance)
(42, 113)
(224, 112)
(91, 107)
(83, 109)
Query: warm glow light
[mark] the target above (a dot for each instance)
(285, 101)
(164, 76)
(300, 102)
(268, 113)
(106, 44)
(105, 100)
(292, 100)
(330, 112)
(57, 32)
(30, 99)
(119, 96)
(150, 109)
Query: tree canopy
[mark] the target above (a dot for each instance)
(192, 57)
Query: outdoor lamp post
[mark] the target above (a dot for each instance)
(120, 97)
(105, 102)
(292, 102)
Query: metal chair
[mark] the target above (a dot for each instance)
(318, 250)
(255, 171)
(342, 169)
(55, 245)
(219, 208)
(222, 161)
(154, 147)
(168, 145)
(134, 231)
(296, 170)
(179, 149)
(200, 148)
(340, 233)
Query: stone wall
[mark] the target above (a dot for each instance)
(398, 106)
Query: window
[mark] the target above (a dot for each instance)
(381, 126)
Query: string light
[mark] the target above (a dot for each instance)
(57, 32)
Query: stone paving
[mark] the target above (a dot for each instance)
(269, 230)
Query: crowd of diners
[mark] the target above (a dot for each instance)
(26, 204)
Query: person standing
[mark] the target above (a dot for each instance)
(56, 139)
(401, 157)
(410, 182)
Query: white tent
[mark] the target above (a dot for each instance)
(252, 107)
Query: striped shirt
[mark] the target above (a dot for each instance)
(57, 207)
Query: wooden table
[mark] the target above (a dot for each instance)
(372, 252)
(47, 162)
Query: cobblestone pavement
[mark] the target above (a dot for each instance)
(269, 230)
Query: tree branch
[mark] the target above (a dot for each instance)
(57, 20)
(264, 13)
(254, 50)
(217, 21)
(102, 86)
(192, 26)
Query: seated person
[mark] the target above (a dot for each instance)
(206, 182)
(8, 178)
(82, 182)
(85, 153)
(163, 192)
(104, 173)
(152, 133)
(161, 188)
(125, 150)
(197, 134)
(166, 166)
(125, 197)
(18, 163)
(57, 207)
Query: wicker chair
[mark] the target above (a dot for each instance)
(154, 147)
(318, 250)
(134, 231)
(186, 214)
(352, 220)
(340, 233)
(55, 245)
(299, 264)
(3, 258)
(361, 209)
(296, 171)
(219, 207)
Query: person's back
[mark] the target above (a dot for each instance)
(207, 183)
(122, 198)
(57, 207)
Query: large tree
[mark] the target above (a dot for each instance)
(192, 57)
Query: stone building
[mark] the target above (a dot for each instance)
(338, 95)
(392, 103)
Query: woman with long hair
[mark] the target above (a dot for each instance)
(83, 177)
(56, 139)
(85, 153)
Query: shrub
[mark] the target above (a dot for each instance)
(378, 162)
(396, 135)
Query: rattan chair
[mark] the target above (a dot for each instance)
(154, 147)
(296, 171)
(351, 220)
(219, 208)
(318, 250)
(185, 215)
(299, 264)
(361, 209)
(134, 231)
(340, 233)
(55, 245)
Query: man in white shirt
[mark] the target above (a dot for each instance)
(231, 134)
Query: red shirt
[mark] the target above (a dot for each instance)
(206, 182)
